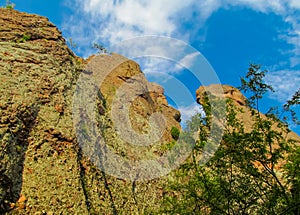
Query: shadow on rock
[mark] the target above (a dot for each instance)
(16, 124)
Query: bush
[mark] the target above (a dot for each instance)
(175, 133)
(9, 5)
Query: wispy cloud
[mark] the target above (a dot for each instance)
(188, 61)
(285, 84)
(109, 22)
(294, 3)
(188, 111)
(293, 38)
(158, 66)
(119, 20)
(265, 6)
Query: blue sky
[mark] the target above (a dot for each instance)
(229, 34)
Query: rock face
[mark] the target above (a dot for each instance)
(42, 169)
(38, 152)
(229, 93)
(124, 79)
(239, 101)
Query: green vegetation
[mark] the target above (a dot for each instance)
(256, 169)
(254, 84)
(24, 38)
(167, 146)
(175, 133)
(9, 5)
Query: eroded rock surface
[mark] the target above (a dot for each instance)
(229, 92)
(42, 169)
(239, 101)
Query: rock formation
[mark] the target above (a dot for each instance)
(239, 102)
(229, 93)
(42, 169)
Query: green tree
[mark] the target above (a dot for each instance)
(254, 84)
(254, 171)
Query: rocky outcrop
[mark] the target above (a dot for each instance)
(239, 102)
(42, 168)
(229, 92)
(120, 78)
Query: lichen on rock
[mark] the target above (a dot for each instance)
(42, 167)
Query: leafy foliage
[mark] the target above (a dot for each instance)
(175, 133)
(9, 5)
(253, 83)
(254, 171)
(288, 107)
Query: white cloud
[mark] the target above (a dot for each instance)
(161, 65)
(261, 5)
(125, 19)
(148, 17)
(157, 66)
(294, 4)
(285, 84)
(293, 38)
(113, 21)
(188, 111)
(188, 61)
(109, 22)
(206, 8)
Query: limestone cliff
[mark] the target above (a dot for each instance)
(42, 169)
